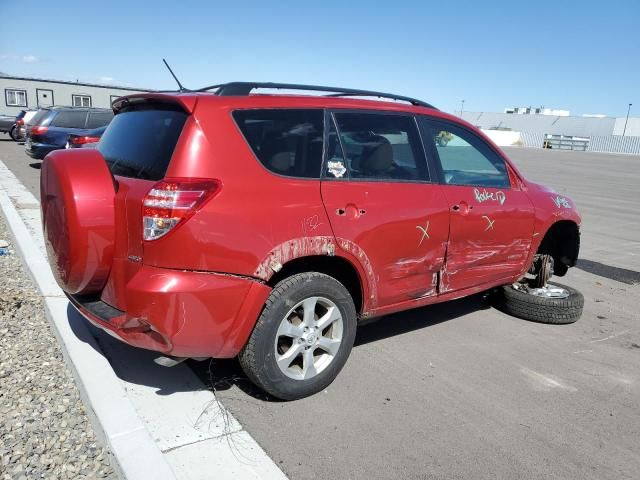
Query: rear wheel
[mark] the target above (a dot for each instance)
(14, 133)
(303, 336)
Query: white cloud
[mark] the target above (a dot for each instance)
(12, 57)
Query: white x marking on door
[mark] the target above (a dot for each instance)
(489, 223)
(425, 232)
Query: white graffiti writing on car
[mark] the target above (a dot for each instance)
(489, 223)
(425, 232)
(310, 223)
(486, 195)
(561, 202)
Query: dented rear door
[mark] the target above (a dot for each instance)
(383, 209)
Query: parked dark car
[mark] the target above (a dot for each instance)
(7, 122)
(19, 133)
(12, 124)
(86, 139)
(51, 127)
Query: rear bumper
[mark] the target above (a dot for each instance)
(184, 314)
(40, 150)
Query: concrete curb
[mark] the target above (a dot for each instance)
(156, 422)
(133, 452)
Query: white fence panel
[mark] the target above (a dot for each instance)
(605, 144)
(532, 139)
(615, 144)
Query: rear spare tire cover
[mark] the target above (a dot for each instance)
(78, 218)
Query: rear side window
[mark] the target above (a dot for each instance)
(139, 143)
(70, 119)
(286, 141)
(99, 119)
(381, 146)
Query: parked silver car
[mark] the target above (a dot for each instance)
(15, 126)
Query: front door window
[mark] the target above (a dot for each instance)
(466, 160)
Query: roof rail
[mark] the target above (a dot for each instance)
(245, 88)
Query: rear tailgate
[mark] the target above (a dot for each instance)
(137, 146)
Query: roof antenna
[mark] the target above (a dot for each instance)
(182, 89)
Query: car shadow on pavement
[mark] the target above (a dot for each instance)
(130, 364)
(136, 365)
(223, 374)
(624, 275)
(410, 320)
(36, 165)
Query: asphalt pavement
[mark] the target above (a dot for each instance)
(461, 390)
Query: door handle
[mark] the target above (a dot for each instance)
(351, 211)
(462, 208)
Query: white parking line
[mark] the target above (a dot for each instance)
(164, 425)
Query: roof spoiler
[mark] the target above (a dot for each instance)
(187, 103)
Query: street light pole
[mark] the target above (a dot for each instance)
(461, 108)
(626, 120)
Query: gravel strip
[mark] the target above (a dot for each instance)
(44, 430)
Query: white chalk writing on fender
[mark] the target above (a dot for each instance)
(484, 195)
(561, 202)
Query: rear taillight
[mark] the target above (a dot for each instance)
(82, 140)
(39, 130)
(172, 201)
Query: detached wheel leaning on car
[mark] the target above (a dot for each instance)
(554, 303)
(303, 336)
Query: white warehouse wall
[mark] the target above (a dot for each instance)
(504, 138)
(633, 127)
(101, 95)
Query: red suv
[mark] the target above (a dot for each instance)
(226, 223)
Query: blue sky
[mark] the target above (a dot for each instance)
(581, 56)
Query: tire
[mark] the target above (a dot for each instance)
(13, 133)
(556, 311)
(267, 344)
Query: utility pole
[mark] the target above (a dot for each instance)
(461, 108)
(626, 120)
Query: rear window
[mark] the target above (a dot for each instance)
(139, 143)
(39, 117)
(99, 119)
(70, 119)
(286, 141)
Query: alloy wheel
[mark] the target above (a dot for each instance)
(309, 338)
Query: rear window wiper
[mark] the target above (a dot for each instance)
(128, 171)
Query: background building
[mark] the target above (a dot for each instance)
(537, 111)
(20, 93)
(554, 124)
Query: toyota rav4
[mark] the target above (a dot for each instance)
(267, 226)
